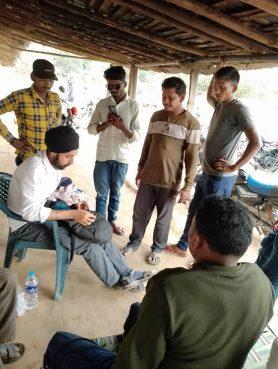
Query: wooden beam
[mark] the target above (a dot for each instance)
(129, 30)
(67, 44)
(236, 59)
(157, 64)
(115, 47)
(225, 20)
(196, 25)
(143, 7)
(222, 3)
(194, 74)
(132, 84)
(268, 6)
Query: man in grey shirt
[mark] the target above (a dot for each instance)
(230, 119)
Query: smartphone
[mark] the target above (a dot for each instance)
(112, 110)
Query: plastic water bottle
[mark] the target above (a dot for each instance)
(31, 291)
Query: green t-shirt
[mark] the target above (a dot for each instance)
(204, 318)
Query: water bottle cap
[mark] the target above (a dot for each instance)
(31, 274)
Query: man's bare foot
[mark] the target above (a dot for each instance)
(174, 249)
(117, 229)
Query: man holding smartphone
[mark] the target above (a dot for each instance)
(116, 120)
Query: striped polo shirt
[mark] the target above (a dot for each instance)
(169, 143)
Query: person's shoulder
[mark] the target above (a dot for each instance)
(158, 115)
(103, 103)
(252, 268)
(191, 121)
(30, 166)
(235, 106)
(255, 273)
(169, 276)
(132, 102)
(21, 92)
(106, 101)
(54, 95)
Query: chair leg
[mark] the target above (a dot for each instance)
(21, 255)
(63, 258)
(11, 247)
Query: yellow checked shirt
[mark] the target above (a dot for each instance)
(34, 117)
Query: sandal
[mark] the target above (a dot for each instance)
(14, 351)
(154, 257)
(174, 249)
(117, 229)
(127, 250)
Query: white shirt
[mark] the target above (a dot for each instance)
(113, 144)
(32, 183)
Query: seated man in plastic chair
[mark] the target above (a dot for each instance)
(9, 352)
(34, 181)
(207, 317)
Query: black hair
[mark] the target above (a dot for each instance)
(176, 83)
(229, 73)
(225, 224)
(115, 73)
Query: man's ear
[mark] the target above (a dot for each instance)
(182, 97)
(200, 243)
(125, 84)
(32, 76)
(234, 88)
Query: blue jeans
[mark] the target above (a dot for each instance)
(109, 176)
(268, 258)
(206, 185)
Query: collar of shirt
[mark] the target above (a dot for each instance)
(37, 96)
(113, 101)
(48, 166)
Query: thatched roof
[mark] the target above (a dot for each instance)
(173, 35)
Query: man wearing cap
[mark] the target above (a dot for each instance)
(116, 120)
(31, 185)
(36, 108)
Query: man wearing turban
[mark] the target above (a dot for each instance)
(31, 185)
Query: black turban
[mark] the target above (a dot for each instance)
(61, 139)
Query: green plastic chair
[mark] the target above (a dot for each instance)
(18, 247)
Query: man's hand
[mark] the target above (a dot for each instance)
(22, 146)
(84, 217)
(116, 121)
(183, 196)
(223, 166)
(82, 205)
(138, 178)
(103, 126)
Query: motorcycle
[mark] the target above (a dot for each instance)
(68, 118)
(69, 114)
(258, 185)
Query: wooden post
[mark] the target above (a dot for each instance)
(133, 73)
(194, 74)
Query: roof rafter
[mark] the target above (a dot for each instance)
(225, 20)
(269, 6)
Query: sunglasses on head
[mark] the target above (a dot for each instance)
(114, 86)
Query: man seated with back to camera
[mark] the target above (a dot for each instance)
(207, 317)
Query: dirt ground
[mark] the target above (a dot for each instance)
(88, 307)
